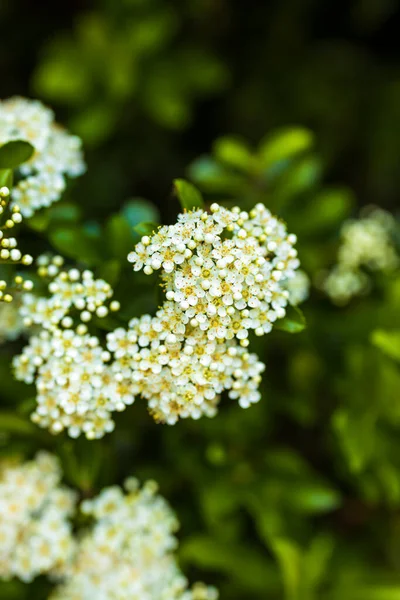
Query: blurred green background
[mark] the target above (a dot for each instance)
(294, 103)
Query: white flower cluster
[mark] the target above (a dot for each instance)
(129, 552)
(225, 274)
(35, 532)
(366, 246)
(225, 271)
(57, 153)
(75, 297)
(76, 387)
(11, 323)
(179, 370)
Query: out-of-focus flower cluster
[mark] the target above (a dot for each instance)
(35, 532)
(9, 251)
(127, 554)
(11, 323)
(225, 274)
(366, 246)
(76, 387)
(129, 551)
(57, 153)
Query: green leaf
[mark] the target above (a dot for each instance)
(82, 462)
(215, 178)
(145, 228)
(370, 592)
(314, 498)
(119, 235)
(357, 436)
(61, 214)
(139, 210)
(78, 244)
(188, 195)
(233, 152)
(293, 322)
(317, 558)
(388, 342)
(6, 178)
(289, 557)
(12, 423)
(15, 153)
(284, 144)
(325, 210)
(246, 566)
(110, 271)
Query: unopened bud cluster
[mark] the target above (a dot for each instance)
(367, 246)
(57, 153)
(10, 254)
(129, 551)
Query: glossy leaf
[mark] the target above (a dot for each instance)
(188, 195)
(6, 178)
(388, 342)
(293, 322)
(145, 228)
(15, 153)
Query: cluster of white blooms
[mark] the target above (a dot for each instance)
(57, 153)
(178, 369)
(225, 271)
(128, 554)
(75, 297)
(35, 532)
(366, 246)
(76, 387)
(9, 251)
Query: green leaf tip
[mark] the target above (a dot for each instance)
(188, 195)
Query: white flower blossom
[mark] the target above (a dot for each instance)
(128, 553)
(35, 532)
(225, 271)
(57, 153)
(366, 246)
(77, 389)
(70, 291)
(179, 370)
(11, 322)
